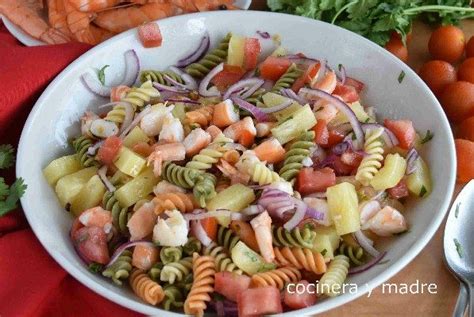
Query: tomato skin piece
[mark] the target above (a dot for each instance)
(399, 191)
(358, 85)
(210, 226)
(310, 181)
(91, 243)
(229, 76)
(273, 67)
(352, 159)
(109, 150)
(403, 130)
(231, 285)
(259, 301)
(321, 132)
(297, 300)
(252, 50)
(346, 92)
(150, 35)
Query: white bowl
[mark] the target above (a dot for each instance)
(54, 118)
(28, 40)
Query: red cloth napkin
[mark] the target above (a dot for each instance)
(31, 282)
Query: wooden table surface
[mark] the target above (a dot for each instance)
(428, 266)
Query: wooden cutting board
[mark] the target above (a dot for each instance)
(428, 267)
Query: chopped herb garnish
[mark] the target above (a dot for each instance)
(423, 191)
(323, 253)
(95, 267)
(354, 137)
(459, 249)
(428, 136)
(401, 77)
(456, 212)
(339, 67)
(367, 120)
(101, 74)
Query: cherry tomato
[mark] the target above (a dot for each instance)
(447, 43)
(466, 129)
(437, 74)
(470, 47)
(466, 70)
(396, 47)
(457, 100)
(464, 155)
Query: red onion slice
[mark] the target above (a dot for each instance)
(93, 85)
(297, 216)
(341, 106)
(412, 156)
(177, 90)
(285, 104)
(366, 243)
(200, 233)
(187, 101)
(263, 34)
(255, 111)
(251, 83)
(252, 210)
(388, 137)
(129, 112)
(313, 213)
(103, 177)
(135, 121)
(368, 265)
(125, 246)
(203, 86)
(189, 82)
(197, 53)
(287, 92)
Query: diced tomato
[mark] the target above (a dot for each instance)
(252, 51)
(273, 67)
(259, 301)
(311, 181)
(335, 137)
(346, 92)
(351, 158)
(359, 86)
(340, 167)
(304, 297)
(229, 76)
(403, 130)
(321, 132)
(231, 285)
(109, 150)
(150, 35)
(210, 226)
(91, 243)
(399, 191)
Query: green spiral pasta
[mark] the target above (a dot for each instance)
(210, 155)
(142, 96)
(296, 237)
(205, 188)
(210, 60)
(81, 145)
(120, 269)
(222, 259)
(176, 271)
(170, 254)
(158, 76)
(117, 114)
(354, 253)
(288, 78)
(120, 215)
(331, 281)
(227, 238)
(174, 297)
(181, 176)
(371, 162)
(155, 271)
(256, 96)
(193, 245)
(299, 150)
(186, 283)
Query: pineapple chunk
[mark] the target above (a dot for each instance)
(60, 167)
(138, 188)
(271, 99)
(135, 136)
(70, 185)
(129, 162)
(90, 196)
(234, 198)
(419, 183)
(391, 173)
(326, 242)
(235, 56)
(344, 208)
(301, 120)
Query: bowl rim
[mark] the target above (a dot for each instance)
(385, 275)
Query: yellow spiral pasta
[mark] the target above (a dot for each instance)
(204, 269)
(141, 96)
(117, 114)
(372, 162)
(263, 175)
(311, 261)
(278, 277)
(145, 288)
(201, 117)
(171, 201)
(331, 282)
(211, 154)
(222, 259)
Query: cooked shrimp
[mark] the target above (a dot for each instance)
(86, 122)
(97, 217)
(164, 187)
(213, 131)
(142, 221)
(386, 222)
(262, 225)
(172, 130)
(93, 5)
(270, 150)
(367, 210)
(122, 19)
(166, 152)
(235, 176)
(144, 256)
(225, 114)
(152, 123)
(327, 83)
(171, 232)
(196, 140)
(26, 15)
(57, 16)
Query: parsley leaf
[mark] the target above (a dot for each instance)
(101, 74)
(7, 156)
(10, 195)
(95, 267)
(456, 212)
(423, 191)
(428, 136)
(459, 248)
(401, 77)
